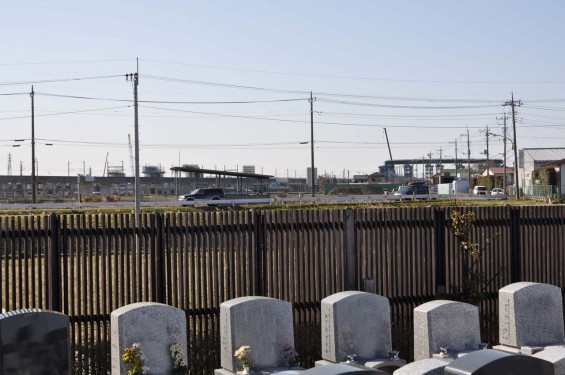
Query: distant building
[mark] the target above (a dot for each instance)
(190, 174)
(309, 176)
(248, 169)
(531, 159)
(499, 172)
(369, 179)
(152, 171)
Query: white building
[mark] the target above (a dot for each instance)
(530, 159)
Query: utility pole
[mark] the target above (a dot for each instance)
(134, 78)
(456, 162)
(430, 168)
(33, 191)
(468, 161)
(504, 166)
(487, 135)
(504, 153)
(312, 173)
(439, 168)
(513, 104)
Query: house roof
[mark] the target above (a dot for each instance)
(546, 154)
(500, 170)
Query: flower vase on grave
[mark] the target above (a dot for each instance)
(245, 370)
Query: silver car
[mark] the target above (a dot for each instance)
(498, 192)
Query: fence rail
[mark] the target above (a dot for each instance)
(87, 265)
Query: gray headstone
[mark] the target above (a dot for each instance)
(482, 362)
(423, 367)
(155, 327)
(555, 356)
(265, 324)
(34, 342)
(355, 323)
(445, 324)
(530, 314)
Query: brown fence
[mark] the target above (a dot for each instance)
(89, 265)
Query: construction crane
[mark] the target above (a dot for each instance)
(391, 172)
(131, 162)
(105, 165)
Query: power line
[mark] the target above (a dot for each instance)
(304, 122)
(63, 62)
(401, 106)
(351, 77)
(64, 113)
(173, 102)
(56, 80)
(178, 80)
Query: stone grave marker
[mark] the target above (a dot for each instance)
(530, 317)
(445, 329)
(34, 341)
(357, 324)
(264, 324)
(429, 366)
(556, 356)
(495, 362)
(155, 327)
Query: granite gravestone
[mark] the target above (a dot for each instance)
(483, 362)
(265, 324)
(34, 341)
(453, 326)
(530, 317)
(429, 366)
(357, 324)
(155, 327)
(556, 356)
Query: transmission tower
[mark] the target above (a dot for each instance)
(131, 156)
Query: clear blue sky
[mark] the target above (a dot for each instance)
(370, 64)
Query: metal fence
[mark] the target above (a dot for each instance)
(87, 265)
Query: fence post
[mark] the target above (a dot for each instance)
(515, 249)
(159, 258)
(256, 268)
(350, 250)
(439, 230)
(53, 293)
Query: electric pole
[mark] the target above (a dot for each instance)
(134, 78)
(504, 155)
(504, 170)
(455, 158)
(312, 173)
(487, 135)
(439, 167)
(513, 104)
(33, 191)
(468, 161)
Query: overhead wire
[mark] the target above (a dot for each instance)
(352, 77)
(57, 80)
(64, 113)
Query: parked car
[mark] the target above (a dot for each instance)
(480, 190)
(498, 192)
(203, 194)
(413, 189)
